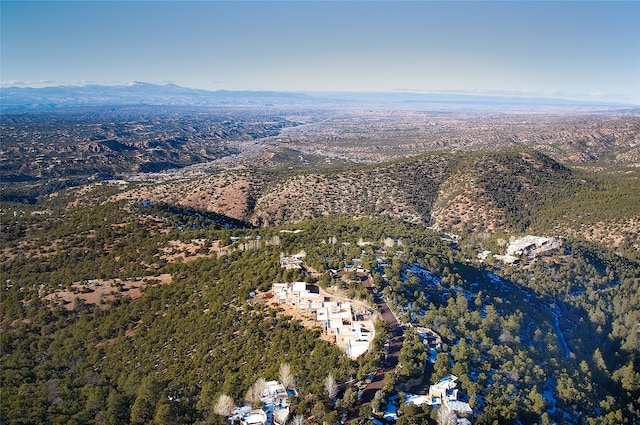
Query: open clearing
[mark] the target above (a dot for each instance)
(101, 291)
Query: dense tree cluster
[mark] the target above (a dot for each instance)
(555, 339)
(165, 355)
(413, 355)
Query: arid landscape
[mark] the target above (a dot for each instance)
(141, 245)
(320, 212)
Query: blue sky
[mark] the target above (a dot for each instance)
(576, 49)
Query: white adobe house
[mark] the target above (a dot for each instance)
(444, 394)
(531, 244)
(275, 399)
(297, 295)
(254, 417)
(337, 318)
(292, 262)
(443, 390)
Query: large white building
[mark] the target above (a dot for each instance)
(336, 317)
(532, 244)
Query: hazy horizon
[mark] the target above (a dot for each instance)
(570, 50)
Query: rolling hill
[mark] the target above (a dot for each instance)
(134, 240)
(511, 191)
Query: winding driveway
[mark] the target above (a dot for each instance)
(395, 344)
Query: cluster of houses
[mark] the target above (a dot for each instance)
(336, 317)
(275, 409)
(353, 336)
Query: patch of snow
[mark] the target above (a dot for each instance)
(432, 355)
(425, 275)
(555, 315)
(549, 395)
(391, 409)
(417, 399)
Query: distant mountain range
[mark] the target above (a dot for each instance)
(140, 93)
(137, 94)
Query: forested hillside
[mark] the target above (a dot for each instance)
(551, 340)
(133, 300)
(514, 190)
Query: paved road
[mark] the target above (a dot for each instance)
(395, 344)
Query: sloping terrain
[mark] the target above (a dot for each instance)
(515, 190)
(130, 298)
(404, 189)
(527, 346)
(501, 190)
(43, 151)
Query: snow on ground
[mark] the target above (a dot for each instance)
(549, 395)
(555, 316)
(390, 410)
(498, 281)
(417, 399)
(424, 274)
(432, 355)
